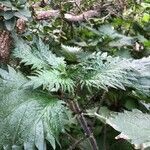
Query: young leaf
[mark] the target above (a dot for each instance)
(53, 80)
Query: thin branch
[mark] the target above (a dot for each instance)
(70, 137)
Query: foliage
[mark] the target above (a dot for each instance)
(105, 71)
(128, 123)
(22, 110)
(13, 10)
(75, 83)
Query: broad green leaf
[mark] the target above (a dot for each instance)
(28, 118)
(6, 3)
(133, 125)
(23, 13)
(22, 2)
(143, 83)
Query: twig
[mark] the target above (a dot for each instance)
(44, 15)
(80, 10)
(71, 138)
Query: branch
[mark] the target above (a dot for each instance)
(44, 15)
(82, 17)
(101, 101)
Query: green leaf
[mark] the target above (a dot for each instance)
(23, 13)
(119, 40)
(10, 24)
(134, 127)
(101, 71)
(70, 53)
(40, 57)
(53, 80)
(51, 70)
(22, 2)
(28, 118)
(8, 15)
(6, 3)
(143, 83)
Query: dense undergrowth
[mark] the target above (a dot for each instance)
(74, 75)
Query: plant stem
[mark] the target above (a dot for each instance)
(81, 119)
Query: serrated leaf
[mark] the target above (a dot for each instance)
(53, 80)
(25, 13)
(40, 57)
(70, 52)
(22, 2)
(6, 3)
(119, 40)
(134, 127)
(101, 71)
(70, 49)
(27, 117)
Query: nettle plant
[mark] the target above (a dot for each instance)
(37, 108)
(59, 96)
